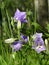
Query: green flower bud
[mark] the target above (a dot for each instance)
(19, 24)
(10, 40)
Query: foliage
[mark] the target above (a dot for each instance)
(26, 56)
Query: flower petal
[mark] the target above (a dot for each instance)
(20, 16)
(16, 45)
(25, 38)
(40, 48)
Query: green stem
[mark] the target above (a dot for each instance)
(19, 34)
(34, 16)
(9, 24)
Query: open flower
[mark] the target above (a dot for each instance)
(39, 48)
(37, 35)
(24, 38)
(16, 45)
(38, 43)
(20, 16)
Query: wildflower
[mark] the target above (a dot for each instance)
(16, 45)
(20, 16)
(24, 38)
(37, 35)
(38, 43)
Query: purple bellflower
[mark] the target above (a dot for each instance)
(24, 38)
(17, 45)
(38, 43)
(20, 16)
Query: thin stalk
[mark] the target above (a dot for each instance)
(9, 24)
(34, 16)
(19, 34)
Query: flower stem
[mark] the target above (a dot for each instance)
(19, 34)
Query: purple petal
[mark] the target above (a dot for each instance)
(24, 21)
(16, 46)
(17, 12)
(40, 49)
(38, 35)
(33, 47)
(25, 38)
(39, 41)
(16, 42)
(20, 16)
(23, 14)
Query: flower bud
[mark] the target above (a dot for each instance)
(10, 40)
(46, 42)
(18, 24)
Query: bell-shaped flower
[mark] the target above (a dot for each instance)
(16, 45)
(20, 16)
(24, 38)
(38, 43)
